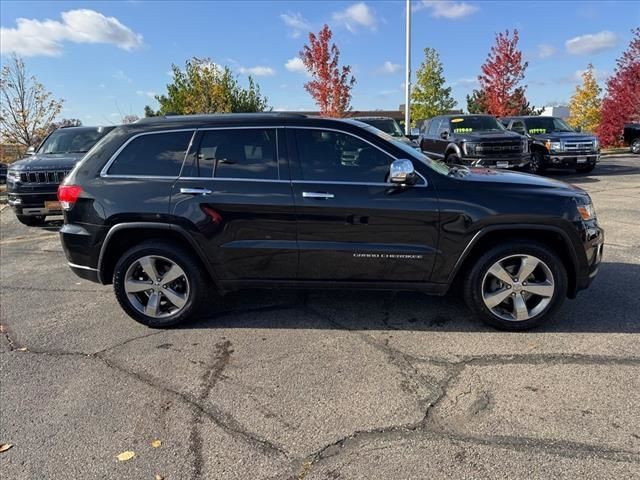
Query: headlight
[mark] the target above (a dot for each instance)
(587, 212)
(596, 144)
(13, 175)
(470, 148)
(557, 146)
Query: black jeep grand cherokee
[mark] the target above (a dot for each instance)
(473, 140)
(32, 182)
(173, 209)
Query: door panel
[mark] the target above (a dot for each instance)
(245, 223)
(368, 231)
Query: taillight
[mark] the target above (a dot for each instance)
(68, 194)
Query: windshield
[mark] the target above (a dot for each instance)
(481, 123)
(387, 125)
(539, 125)
(411, 151)
(72, 140)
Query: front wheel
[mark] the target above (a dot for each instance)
(536, 165)
(635, 146)
(159, 284)
(31, 220)
(516, 286)
(452, 159)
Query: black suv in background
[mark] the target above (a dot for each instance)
(474, 140)
(171, 210)
(32, 182)
(631, 136)
(554, 144)
(389, 126)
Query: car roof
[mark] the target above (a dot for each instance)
(372, 118)
(87, 129)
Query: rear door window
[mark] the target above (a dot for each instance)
(249, 153)
(153, 154)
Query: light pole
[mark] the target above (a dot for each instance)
(407, 73)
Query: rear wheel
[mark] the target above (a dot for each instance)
(635, 146)
(159, 284)
(536, 165)
(516, 286)
(31, 220)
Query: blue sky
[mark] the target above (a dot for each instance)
(107, 59)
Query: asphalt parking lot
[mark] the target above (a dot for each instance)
(321, 384)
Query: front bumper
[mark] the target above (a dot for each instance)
(572, 159)
(41, 203)
(593, 243)
(511, 161)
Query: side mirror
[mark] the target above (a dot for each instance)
(444, 135)
(578, 129)
(402, 172)
(31, 151)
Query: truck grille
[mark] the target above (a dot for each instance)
(578, 146)
(48, 176)
(488, 148)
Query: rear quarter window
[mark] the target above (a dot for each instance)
(153, 154)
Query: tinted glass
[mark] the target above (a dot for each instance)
(478, 123)
(433, 127)
(387, 125)
(72, 140)
(517, 127)
(158, 154)
(249, 153)
(538, 125)
(334, 156)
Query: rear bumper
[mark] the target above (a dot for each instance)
(80, 248)
(572, 160)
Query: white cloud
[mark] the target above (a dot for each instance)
(120, 75)
(389, 67)
(146, 93)
(591, 43)
(446, 8)
(466, 82)
(296, 22)
(545, 50)
(296, 65)
(599, 75)
(35, 37)
(258, 71)
(355, 16)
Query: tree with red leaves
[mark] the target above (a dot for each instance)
(500, 93)
(621, 103)
(330, 85)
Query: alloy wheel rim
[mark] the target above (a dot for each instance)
(518, 287)
(635, 148)
(156, 286)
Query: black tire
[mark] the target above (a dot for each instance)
(586, 168)
(635, 146)
(198, 283)
(472, 287)
(452, 159)
(31, 220)
(537, 165)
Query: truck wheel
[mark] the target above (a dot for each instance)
(635, 146)
(31, 220)
(516, 286)
(586, 168)
(159, 284)
(452, 159)
(536, 165)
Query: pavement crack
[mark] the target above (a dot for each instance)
(4, 331)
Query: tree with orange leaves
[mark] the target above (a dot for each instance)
(330, 85)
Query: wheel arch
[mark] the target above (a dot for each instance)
(553, 237)
(453, 148)
(123, 236)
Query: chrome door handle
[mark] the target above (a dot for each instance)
(320, 195)
(196, 191)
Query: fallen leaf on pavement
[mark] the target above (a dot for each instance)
(124, 456)
(22, 349)
(159, 477)
(156, 443)
(5, 446)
